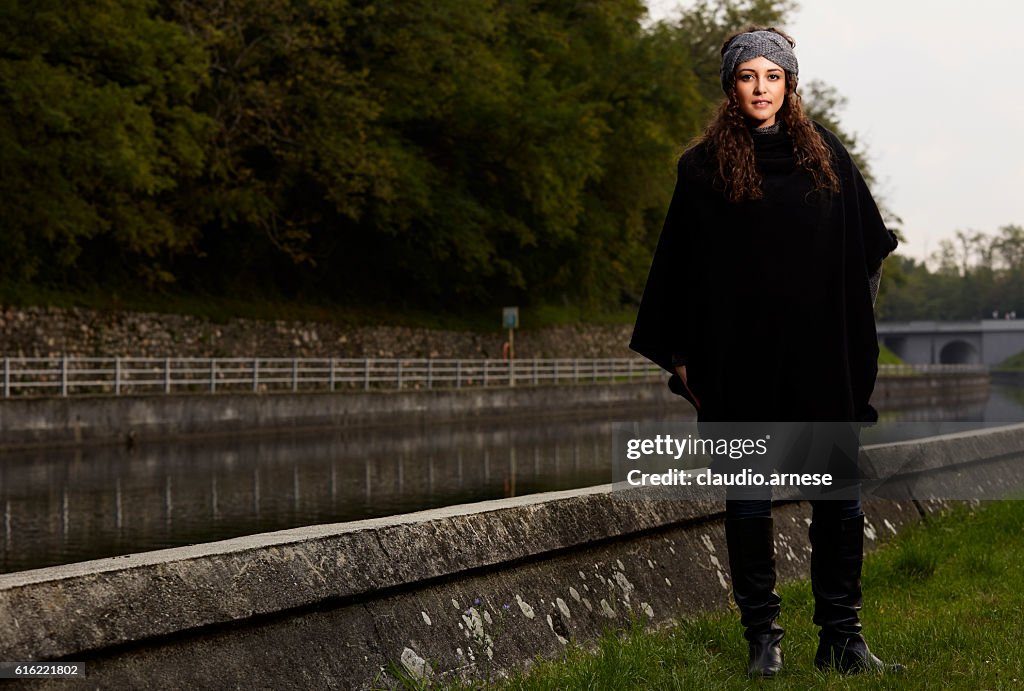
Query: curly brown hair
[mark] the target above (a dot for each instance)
(728, 137)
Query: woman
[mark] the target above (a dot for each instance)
(760, 303)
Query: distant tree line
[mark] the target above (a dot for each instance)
(430, 152)
(973, 276)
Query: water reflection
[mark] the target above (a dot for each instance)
(1003, 406)
(65, 506)
(71, 505)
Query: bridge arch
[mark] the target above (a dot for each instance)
(959, 353)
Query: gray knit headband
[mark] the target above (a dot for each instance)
(755, 44)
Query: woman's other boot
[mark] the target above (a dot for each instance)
(751, 543)
(837, 557)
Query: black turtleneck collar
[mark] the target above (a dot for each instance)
(773, 148)
(771, 129)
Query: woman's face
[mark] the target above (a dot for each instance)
(760, 90)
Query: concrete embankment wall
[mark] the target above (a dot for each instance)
(471, 590)
(116, 419)
(926, 390)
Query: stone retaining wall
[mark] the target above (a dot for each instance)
(52, 332)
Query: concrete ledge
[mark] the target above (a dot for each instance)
(972, 465)
(460, 625)
(915, 456)
(330, 605)
(234, 579)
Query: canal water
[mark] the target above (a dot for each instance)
(63, 506)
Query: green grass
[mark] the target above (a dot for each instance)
(946, 599)
(1014, 363)
(887, 357)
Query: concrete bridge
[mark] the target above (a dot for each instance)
(986, 341)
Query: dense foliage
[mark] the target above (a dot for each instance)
(423, 152)
(98, 131)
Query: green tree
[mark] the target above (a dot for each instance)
(96, 133)
(428, 152)
(292, 160)
(650, 108)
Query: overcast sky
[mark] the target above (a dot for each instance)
(935, 91)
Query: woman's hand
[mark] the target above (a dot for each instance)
(681, 371)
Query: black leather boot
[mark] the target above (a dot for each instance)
(837, 555)
(751, 544)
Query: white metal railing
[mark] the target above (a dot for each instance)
(67, 376)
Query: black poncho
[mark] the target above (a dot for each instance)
(767, 301)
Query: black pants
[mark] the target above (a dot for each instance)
(813, 448)
(837, 509)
